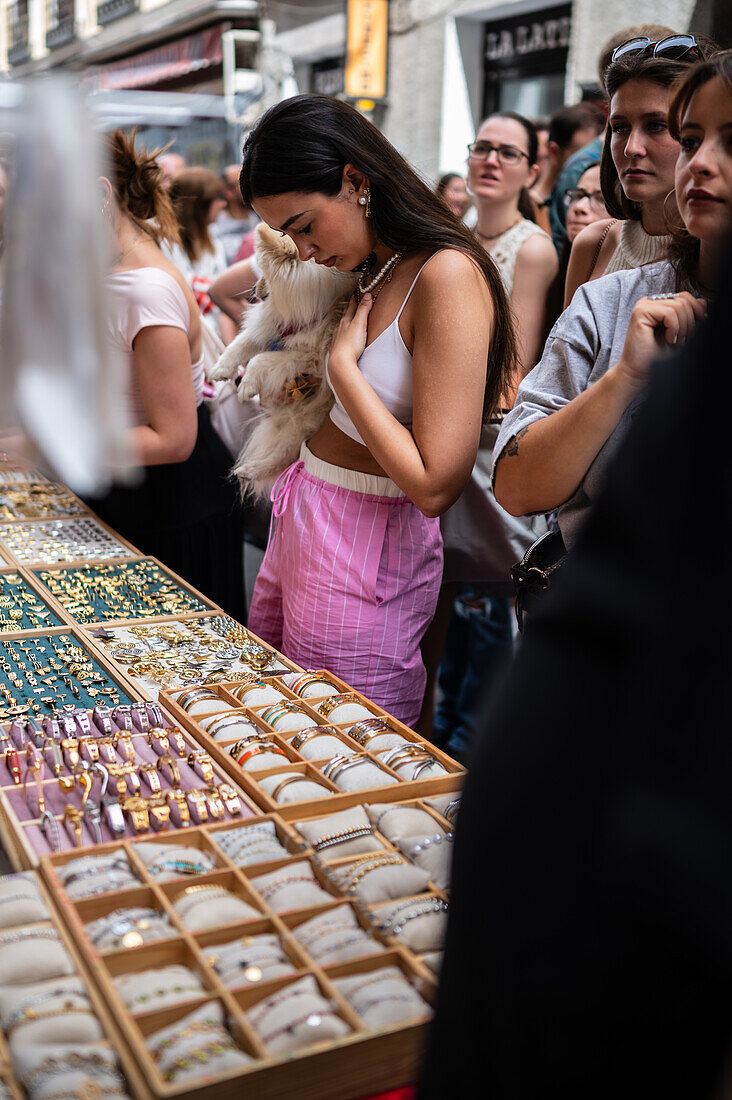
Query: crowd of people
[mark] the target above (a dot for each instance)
(484, 373)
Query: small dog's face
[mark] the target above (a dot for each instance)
(300, 292)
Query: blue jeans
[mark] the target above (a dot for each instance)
(478, 645)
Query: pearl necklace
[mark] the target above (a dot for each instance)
(390, 263)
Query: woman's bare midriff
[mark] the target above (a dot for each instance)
(332, 445)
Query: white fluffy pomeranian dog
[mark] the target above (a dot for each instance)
(282, 346)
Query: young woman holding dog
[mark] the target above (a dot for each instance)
(422, 355)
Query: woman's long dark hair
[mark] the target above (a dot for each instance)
(684, 250)
(304, 143)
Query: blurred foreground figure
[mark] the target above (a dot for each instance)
(589, 947)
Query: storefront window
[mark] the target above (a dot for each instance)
(525, 62)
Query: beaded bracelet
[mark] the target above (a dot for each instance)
(92, 1064)
(275, 1002)
(437, 906)
(200, 1054)
(369, 866)
(274, 887)
(362, 1009)
(66, 1010)
(198, 1027)
(354, 833)
(8, 938)
(143, 998)
(38, 998)
(358, 937)
(312, 1019)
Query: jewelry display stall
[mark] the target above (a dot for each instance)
(232, 873)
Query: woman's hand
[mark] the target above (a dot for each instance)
(349, 339)
(655, 324)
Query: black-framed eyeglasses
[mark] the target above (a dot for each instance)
(595, 198)
(674, 46)
(507, 154)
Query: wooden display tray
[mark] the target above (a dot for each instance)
(209, 607)
(363, 1062)
(18, 832)
(135, 1080)
(147, 689)
(341, 800)
(83, 507)
(70, 563)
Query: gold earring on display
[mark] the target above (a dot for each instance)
(671, 227)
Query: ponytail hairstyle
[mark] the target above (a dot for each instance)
(665, 72)
(192, 191)
(525, 204)
(684, 250)
(137, 182)
(304, 143)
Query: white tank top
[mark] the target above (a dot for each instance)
(386, 364)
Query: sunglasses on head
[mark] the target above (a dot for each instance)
(674, 46)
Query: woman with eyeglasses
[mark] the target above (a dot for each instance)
(421, 357)
(638, 160)
(481, 541)
(573, 409)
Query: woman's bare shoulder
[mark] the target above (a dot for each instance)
(588, 238)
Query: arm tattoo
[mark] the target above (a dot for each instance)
(512, 447)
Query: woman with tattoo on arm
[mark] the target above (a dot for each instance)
(573, 409)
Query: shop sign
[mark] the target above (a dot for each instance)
(366, 49)
(328, 77)
(520, 38)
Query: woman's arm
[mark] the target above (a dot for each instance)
(544, 464)
(453, 321)
(228, 291)
(163, 363)
(583, 251)
(536, 269)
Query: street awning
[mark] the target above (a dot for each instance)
(175, 59)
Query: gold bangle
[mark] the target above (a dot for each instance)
(305, 735)
(328, 705)
(291, 779)
(231, 799)
(201, 763)
(159, 817)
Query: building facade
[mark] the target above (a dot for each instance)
(133, 45)
(449, 63)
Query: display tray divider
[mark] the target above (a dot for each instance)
(349, 1068)
(209, 608)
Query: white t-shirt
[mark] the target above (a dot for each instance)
(141, 298)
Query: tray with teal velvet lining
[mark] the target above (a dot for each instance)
(46, 673)
(21, 607)
(124, 591)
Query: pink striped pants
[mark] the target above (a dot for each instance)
(350, 581)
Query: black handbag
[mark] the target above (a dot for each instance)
(536, 572)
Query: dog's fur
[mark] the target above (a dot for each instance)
(298, 316)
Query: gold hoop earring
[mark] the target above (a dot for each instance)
(671, 227)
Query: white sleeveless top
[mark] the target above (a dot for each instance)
(505, 249)
(386, 364)
(636, 247)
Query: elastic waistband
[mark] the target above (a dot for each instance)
(342, 478)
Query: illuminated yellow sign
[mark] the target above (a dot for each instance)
(367, 38)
